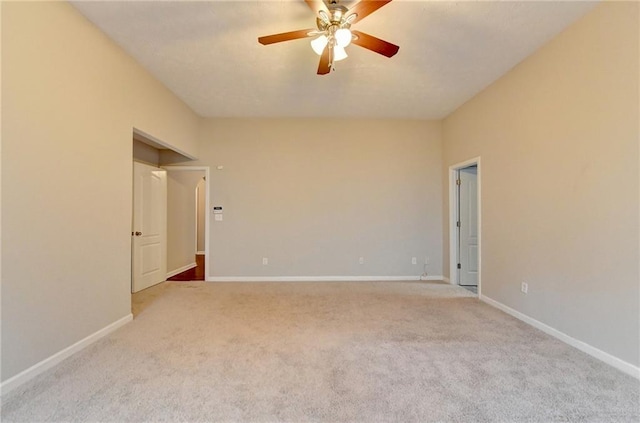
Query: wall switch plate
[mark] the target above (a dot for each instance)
(525, 287)
(426, 260)
(361, 260)
(217, 217)
(265, 261)
(414, 260)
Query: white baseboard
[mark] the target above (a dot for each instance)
(200, 253)
(33, 371)
(611, 360)
(181, 269)
(430, 278)
(318, 278)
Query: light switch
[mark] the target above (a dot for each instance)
(217, 217)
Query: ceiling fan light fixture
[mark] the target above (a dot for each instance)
(343, 37)
(319, 44)
(339, 53)
(333, 31)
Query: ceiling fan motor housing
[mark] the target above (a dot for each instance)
(336, 18)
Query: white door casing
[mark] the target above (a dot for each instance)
(149, 230)
(468, 226)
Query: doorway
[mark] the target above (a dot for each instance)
(465, 225)
(196, 273)
(188, 223)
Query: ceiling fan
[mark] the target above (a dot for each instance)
(333, 23)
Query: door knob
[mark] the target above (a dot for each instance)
(138, 233)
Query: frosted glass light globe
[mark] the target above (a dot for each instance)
(339, 53)
(343, 37)
(319, 44)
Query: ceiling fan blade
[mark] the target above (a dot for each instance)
(287, 36)
(316, 5)
(364, 8)
(324, 67)
(374, 44)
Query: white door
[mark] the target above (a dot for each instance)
(149, 231)
(468, 226)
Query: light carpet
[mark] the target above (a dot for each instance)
(324, 352)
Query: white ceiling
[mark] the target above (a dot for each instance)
(207, 53)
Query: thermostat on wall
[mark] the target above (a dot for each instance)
(217, 209)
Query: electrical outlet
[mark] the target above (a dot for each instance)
(265, 261)
(361, 260)
(414, 260)
(524, 287)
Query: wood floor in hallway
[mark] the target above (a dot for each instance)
(195, 274)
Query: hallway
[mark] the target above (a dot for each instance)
(194, 274)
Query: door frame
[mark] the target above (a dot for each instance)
(453, 218)
(207, 207)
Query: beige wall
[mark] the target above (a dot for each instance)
(314, 195)
(70, 100)
(558, 137)
(181, 218)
